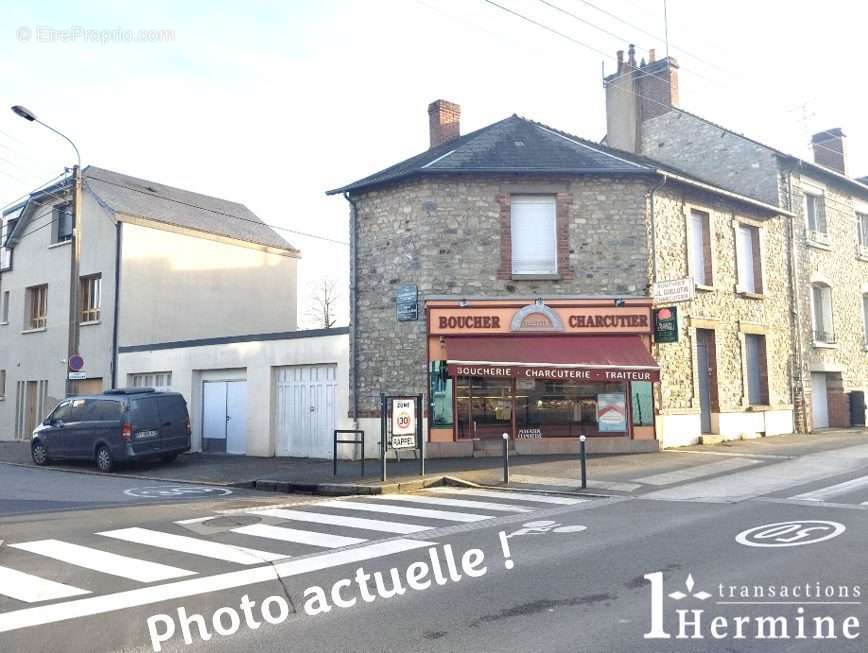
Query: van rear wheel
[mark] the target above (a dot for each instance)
(168, 457)
(104, 460)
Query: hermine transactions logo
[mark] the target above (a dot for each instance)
(801, 611)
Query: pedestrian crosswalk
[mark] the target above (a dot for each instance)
(48, 578)
(851, 491)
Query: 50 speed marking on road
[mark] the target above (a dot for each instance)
(790, 533)
(176, 492)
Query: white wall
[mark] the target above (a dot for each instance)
(42, 355)
(179, 287)
(254, 361)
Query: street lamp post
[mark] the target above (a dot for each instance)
(75, 244)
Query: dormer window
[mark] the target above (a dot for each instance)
(63, 223)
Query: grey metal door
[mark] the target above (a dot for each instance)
(704, 371)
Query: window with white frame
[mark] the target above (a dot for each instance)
(90, 298)
(865, 318)
(821, 307)
(4, 309)
(150, 380)
(37, 307)
(862, 224)
(815, 215)
(533, 225)
(6, 226)
(757, 370)
(749, 259)
(63, 223)
(700, 248)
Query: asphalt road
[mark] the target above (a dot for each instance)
(92, 578)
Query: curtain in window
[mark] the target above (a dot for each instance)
(534, 238)
(747, 277)
(698, 248)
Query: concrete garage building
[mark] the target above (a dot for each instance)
(261, 395)
(534, 228)
(179, 290)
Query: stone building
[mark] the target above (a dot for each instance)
(826, 239)
(533, 253)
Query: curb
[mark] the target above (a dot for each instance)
(347, 489)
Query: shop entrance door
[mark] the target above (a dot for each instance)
(705, 370)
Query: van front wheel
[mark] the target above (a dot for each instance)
(104, 460)
(39, 453)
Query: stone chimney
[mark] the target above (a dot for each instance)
(830, 149)
(444, 122)
(636, 93)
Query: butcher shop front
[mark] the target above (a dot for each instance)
(547, 369)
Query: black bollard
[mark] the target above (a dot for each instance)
(506, 458)
(584, 454)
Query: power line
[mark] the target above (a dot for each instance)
(594, 49)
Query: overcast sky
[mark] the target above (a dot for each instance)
(272, 103)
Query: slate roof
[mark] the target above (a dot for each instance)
(513, 145)
(182, 208)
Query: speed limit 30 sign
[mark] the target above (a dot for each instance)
(403, 424)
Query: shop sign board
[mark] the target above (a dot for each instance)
(673, 291)
(481, 320)
(407, 303)
(611, 412)
(403, 424)
(578, 373)
(666, 324)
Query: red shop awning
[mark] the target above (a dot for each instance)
(559, 358)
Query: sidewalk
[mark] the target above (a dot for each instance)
(612, 474)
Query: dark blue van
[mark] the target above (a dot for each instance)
(120, 425)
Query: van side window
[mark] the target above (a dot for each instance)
(61, 413)
(76, 411)
(104, 411)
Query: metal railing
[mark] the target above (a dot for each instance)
(337, 442)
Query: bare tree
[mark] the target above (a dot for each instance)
(323, 309)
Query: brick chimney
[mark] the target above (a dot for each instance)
(636, 93)
(830, 149)
(444, 122)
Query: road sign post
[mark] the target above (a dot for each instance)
(401, 428)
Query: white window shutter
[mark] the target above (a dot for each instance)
(534, 234)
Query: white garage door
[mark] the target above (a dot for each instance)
(224, 416)
(306, 410)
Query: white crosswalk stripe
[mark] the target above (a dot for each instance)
(504, 494)
(287, 523)
(196, 546)
(38, 615)
(833, 490)
(341, 520)
(298, 536)
(407, 511)
(457, 503)
(33, 589)
(103, 561)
